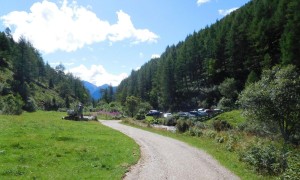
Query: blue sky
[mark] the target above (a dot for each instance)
(102, 41)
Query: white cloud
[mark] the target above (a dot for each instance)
(70, 27)
(124, 29)
(154, 56)
(97, 75)
(200, 2)
(225, 12)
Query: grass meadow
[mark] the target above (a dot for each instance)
(41, 145)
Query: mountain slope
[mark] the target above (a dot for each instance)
(27, 83)
(228, 54)
(96, 91)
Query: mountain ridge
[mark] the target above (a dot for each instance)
(95, 91)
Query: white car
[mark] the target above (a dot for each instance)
(167, 115)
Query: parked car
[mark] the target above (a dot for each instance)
(167, 115)
(199, 113)
(153, 113)
(185, 114)
(218, 110)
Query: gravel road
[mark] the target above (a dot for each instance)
(166, 158)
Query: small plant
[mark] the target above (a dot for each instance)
(220, 139)
(169, 121)
(182, 125)
(267, 160)
(194, 131)
(231, 142)
(210, 133)
(221, 125)
(200, 125)
(292, 172)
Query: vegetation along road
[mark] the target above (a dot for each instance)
(166, 158)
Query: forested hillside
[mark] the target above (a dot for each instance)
(212, 66)
(28, 83)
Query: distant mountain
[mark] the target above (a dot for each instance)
(95, 91)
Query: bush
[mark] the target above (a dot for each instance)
(194, 131)
(220, 139)
(226, 104)
(267, 160)
(200, 125)
(221, 125)
(183, 125)
(154, 120)
(30, 105)
(12, 105)
(231, 142)
(210, 133)
(292, 172)
(139, 116)
(258, 129)
(169, 121)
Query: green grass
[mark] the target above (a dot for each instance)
(42, 146)
(234, 118)
(227, 158)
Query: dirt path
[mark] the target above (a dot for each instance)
(166, 158)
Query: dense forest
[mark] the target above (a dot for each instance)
(28, 83)
(210, 67)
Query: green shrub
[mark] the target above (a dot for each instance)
(221, 125)
(194, 131)
(258, 129)
(140, 116)
(154, 120)
(293, 170)
(200, 125)
(12, 105)
(169, 121)
(30, 105)
(267, 160)
(220, 139)
(210, 133)
(183, 125)
(231, 142)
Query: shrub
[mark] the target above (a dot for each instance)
(194, 131)
(221, 125)
(200, 125)
(169, 121)
(267, 160)
(220, 139)
(258, 129)
(12, 105)
(183, 125)
(210, 133)
(139, 116)
(231, 142)
(292, 172)
(153, 120)
(30, 105)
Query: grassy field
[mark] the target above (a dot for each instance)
(42, 146)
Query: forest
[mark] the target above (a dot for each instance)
(28, 83)
(212, 66)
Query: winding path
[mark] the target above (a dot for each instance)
(167, 158)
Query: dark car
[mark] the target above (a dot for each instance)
(185, 114)
(153, 113)
(198, 113)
